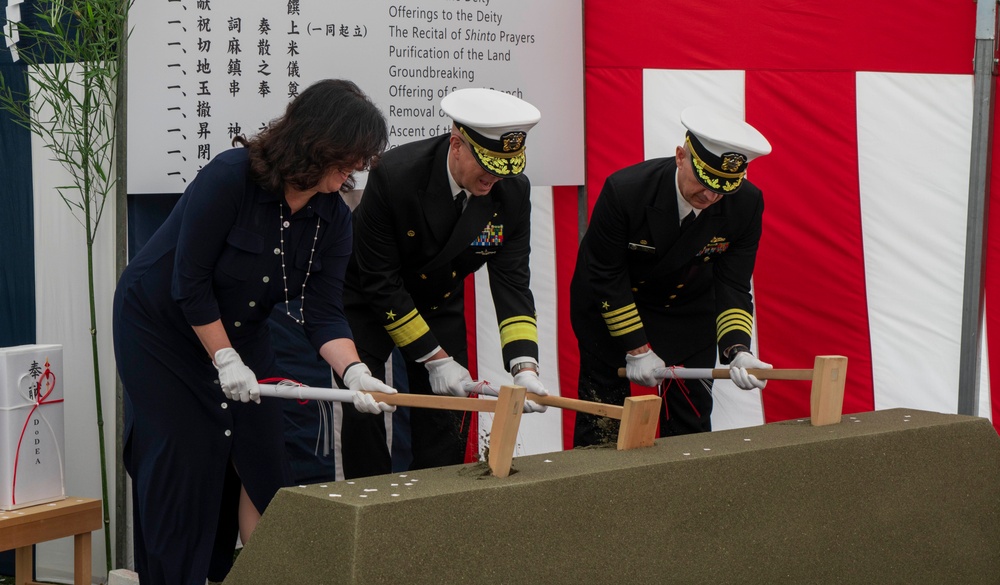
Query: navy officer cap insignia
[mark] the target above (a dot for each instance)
(721, 147)
(495, 124)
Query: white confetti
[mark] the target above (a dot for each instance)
(334, 495)
(371, 489)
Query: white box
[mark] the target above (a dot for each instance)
(32, 437)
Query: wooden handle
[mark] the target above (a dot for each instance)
(435, 401)
(585, 406)
(761, 374)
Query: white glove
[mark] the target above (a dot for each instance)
(639, 368)
(238, 381)
(738, 371)
(529, 379)
(447, 376)
(359, 379)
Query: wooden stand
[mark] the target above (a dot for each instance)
(76, 517)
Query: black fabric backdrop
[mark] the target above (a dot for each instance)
(17, 239)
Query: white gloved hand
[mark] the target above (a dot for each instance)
(447, 376)
(738, 371)
(237, 380)
(639, 368)
(529, 379)
(359, 379)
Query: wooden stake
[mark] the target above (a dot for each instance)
(503, 436)
(827, 398)
(639, 419)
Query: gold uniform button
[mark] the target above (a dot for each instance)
(447, 294)
(672, 297)
(411, 233)
(635, 289)
(680, 286)
(707, 258)
(423, 276)
(454, 274)
(643, 242)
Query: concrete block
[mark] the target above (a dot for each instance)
(895, 496)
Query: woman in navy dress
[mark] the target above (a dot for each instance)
(259, 226)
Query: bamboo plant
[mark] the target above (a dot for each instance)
(72, 50)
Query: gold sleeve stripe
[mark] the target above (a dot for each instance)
(408, 329)
(733, 320)
(636, 325)
(629, 308)
(520, 328)
(622, 321)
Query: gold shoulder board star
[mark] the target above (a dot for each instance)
(390, 315)
(605, 305)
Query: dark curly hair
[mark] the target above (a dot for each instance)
(331, 125)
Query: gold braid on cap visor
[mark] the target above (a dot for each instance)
(710, 180)
(498, 163)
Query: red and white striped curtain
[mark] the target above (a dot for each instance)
(868, 106)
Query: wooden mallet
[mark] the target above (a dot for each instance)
(828, 375)
(507, 409)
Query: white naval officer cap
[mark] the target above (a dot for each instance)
(496, 126)
(721, 147)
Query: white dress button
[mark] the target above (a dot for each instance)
(277, 251)
(228, 432)
(225, 405)
(253, 303)
(286, 224)
(267, 279)
(238, 324)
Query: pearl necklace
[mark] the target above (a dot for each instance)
(301, 320)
